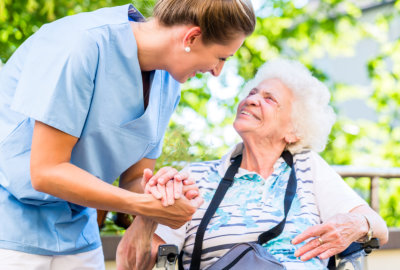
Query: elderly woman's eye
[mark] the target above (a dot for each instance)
(252, 92)
(269, 98)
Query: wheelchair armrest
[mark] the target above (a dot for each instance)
(167, 256)
(370, 245)
(352, 249)
(355, 247)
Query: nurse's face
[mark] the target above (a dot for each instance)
(204, 58)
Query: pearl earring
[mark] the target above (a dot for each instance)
(187, 49)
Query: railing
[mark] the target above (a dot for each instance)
(373, 174)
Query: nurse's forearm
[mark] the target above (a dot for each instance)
(51, 172)
(68, 182)
(75, 185)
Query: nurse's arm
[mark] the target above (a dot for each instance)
(52, 173)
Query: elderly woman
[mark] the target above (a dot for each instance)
(286, 109)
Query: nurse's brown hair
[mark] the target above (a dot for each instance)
(220, 21)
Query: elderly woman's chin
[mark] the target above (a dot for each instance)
(242, 126)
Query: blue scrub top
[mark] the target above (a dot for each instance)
(81, 75)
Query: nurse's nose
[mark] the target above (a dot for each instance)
(218, 68)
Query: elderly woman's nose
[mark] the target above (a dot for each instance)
(253, 100)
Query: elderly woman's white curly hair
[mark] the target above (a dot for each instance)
(312, 116)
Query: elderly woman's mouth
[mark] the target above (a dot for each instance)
(249, 114)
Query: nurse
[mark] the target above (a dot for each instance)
(87, 99)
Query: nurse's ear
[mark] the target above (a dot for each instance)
(191, 37)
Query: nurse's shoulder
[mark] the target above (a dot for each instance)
(88, 20)
(72, 31)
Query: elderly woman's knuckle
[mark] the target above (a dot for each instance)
(316, 243)
(331, 226)
(336, 234)
(163, 169)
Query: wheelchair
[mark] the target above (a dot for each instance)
(352, 258)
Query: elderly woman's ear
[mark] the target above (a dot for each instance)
(291, 138)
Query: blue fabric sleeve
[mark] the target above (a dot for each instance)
(156, 151)
(57, 79)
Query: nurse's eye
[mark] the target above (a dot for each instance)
(222, 59)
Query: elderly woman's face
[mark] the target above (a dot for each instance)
(266, 111)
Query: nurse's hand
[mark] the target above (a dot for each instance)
(173, 216)
(168, 185)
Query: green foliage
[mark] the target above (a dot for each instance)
(110, 228)
(389, 194)
(178, 151)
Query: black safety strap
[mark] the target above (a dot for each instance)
(223, 187)
(289, 195)
(225, 183)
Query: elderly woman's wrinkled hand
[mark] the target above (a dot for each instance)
(168, 185)
(332, 237)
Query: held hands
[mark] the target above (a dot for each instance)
(169, 185)
(164, 201)
(331, 237)
(138, 247)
